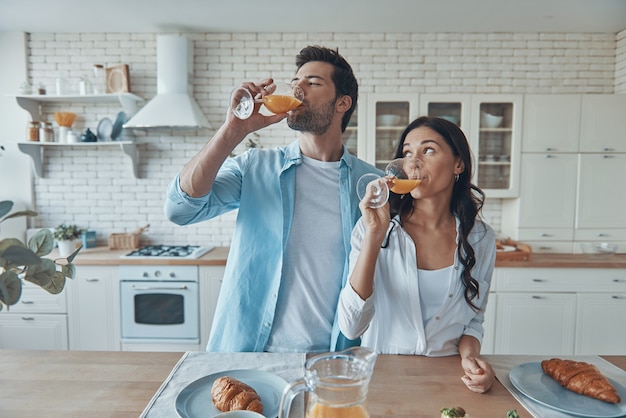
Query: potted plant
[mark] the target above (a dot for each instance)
(66, 236)
(26, 262)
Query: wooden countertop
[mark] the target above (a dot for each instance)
(104, 256)
(120, 384)
(217, 257)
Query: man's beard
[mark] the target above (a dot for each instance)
(313, 120)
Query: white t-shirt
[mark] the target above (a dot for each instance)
(313, 264)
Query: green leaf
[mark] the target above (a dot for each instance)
(42, 242)
(41, 274)
(21, 213)
(10, 288)
(55, 286)
(20, 255)
(69, 271)
(5, 207)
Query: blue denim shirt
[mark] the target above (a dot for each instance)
(260, 183)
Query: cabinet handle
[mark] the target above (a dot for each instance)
(608, 156)
(602, 234)
(537, 297)
(545, 247)
(608, 149)
(619, 280)
(28, 302)
(549, 156)
(550, 149)
(539, 280)
(544, 234)
(618, 297)
(28, 318)
(92, 280)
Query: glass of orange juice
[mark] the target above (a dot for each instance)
(401, 176)
(283, 97)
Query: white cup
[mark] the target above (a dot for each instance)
(71, 137)
(63, 134)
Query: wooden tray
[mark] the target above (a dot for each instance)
(522, 252)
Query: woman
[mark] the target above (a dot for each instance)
(421, 266)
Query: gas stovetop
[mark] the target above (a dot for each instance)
(169, 251)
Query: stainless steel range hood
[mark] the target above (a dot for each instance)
(174, 106)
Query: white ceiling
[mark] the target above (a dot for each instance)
(606, 16)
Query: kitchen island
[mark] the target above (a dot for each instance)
(121, 384)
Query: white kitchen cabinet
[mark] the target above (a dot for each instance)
(387, 115)
(489, 326)
(209, 287)
(354, 135)
(535, 323)
(496, 148)
(551, 123)
(93, 309)
(561, 311)
(603, 125)
(597, 313)
(601, 199)
(33, 104)
(37, 322)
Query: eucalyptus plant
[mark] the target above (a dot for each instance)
(27, 262)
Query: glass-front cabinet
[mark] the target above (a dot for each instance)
(387, 116)
(492, 124)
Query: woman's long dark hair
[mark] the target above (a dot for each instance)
(466, 202)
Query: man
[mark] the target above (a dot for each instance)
(296, 208)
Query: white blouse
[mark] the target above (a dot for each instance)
(391, 320)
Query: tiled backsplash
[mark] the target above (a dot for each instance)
(97, 190)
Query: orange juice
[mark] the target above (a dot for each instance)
(404, 186)
(280, 104)
(324, 411)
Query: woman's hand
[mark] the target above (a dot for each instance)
(376, 220)
(479, 375)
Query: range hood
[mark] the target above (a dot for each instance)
(174, 106)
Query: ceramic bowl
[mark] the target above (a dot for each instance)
(488, 120)
(387, 120)
(599, 249)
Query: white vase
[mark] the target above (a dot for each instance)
(66, 248)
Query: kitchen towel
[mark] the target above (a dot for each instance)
(194, 365)
(502, 365)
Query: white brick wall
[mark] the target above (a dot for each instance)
(112, 200)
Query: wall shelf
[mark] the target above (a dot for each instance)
(32, 102)
(36, 150)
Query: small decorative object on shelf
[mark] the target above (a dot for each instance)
(67, 238)
(99, 81)
(118, 79)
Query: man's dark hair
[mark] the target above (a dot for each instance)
(343, 76)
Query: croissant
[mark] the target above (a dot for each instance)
(582, 378)
(230, 394)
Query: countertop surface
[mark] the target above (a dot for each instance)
(217, 257)
(121, 384)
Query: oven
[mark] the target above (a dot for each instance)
(159, 304)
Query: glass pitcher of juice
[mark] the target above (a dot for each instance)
(337, 384)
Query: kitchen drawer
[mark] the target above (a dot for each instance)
(545, 234)
(613, 234)
(561, 280)
(550, 247)
(36, 300)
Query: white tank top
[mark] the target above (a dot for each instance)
(433, 287)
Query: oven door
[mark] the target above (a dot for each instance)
(159, 310)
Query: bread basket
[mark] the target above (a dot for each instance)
(126, 241)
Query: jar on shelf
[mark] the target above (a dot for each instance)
(32, 130)
(99, 79)
(46, 133)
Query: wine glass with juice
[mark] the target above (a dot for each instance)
(401, 176)
(283, 97)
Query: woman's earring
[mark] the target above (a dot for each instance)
(456, 177)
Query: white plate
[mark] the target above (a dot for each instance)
(530, 379)
(105, 127)
(194, 401)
